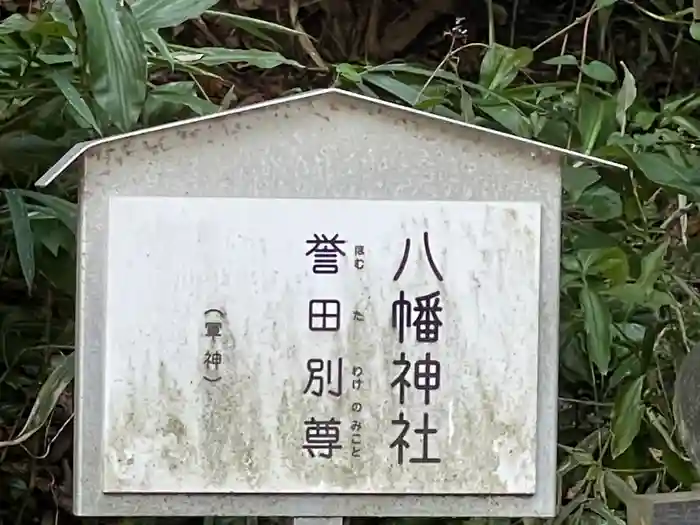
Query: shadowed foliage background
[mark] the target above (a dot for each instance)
(613, 78)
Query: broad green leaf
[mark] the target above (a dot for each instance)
(597, 321)
(695, 30)
(679, 468)
(629, 367)
(562, 60)
(645, 118)
(662, 170)
(599, 71)
(591, 114)
(44, 25)
(60, 12)
(156, 14)
(625, 97)
(652, 265)
(600, 4)
(576, 180)
(600, 202)
(349, 72)
(22, 231)
(15, 23)
(611, 263)
(627, 416)
(46, 400)
(501, 65)
(633, 295)
(509, 117)
(116, 55)
(74, 99)
(215, 56)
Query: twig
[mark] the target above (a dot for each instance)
(565, 30)
(449, 54)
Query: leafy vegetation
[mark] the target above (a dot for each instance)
(609, 78)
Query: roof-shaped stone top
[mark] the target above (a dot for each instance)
(334, 99)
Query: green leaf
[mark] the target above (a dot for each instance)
(24, 238)
(576, 180)
(405, 92)
(248, 23)
(688, 124)
(600, 202)
(633, 295)
(74, 99)
(349, 72)
(153, 37)
(591, 113)
(562, 60)
(597, 321)
(627, 416)
(620, 488)
(501, 65)
(15, 23)
(116, 56)
(695, 30)
(61, 209)
(156, 14)
(54, 235)
(466, 105)
(215, 56)
(599, 71)
(28, 153)
(45, 24)
(46, 400)
(662, 426)
(611, 263)
(662, 170)
(166, 101)
(605, 512)
(511, 118)
(625, 97)
(652, 265)
(600, 4)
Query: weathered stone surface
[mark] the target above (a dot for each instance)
(310, 350)
(687, 404)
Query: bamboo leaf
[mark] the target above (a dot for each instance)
(116, 57)
(156, 14)
(74, 99)
(24, 238)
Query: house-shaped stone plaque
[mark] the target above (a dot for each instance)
(323, 305)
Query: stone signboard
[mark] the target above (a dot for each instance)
(319, 306)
